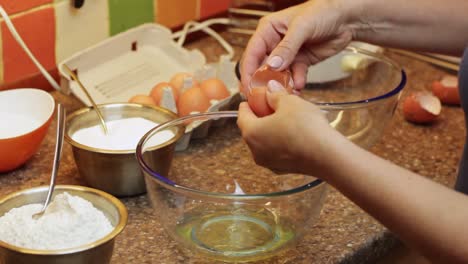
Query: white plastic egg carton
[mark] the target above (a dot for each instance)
(133, 62)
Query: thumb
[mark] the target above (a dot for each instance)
(246, 116)
(285, 52)
(274, 93)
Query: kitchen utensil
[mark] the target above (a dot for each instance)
(61, 113)
(450, 65)
(361, 104)
(25, 115)
(96, 108)
(218, 203)
(98, 252)
(117, 171)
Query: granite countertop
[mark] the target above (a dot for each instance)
(343, 234)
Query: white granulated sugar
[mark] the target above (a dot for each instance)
(123, 134)
(69, 221)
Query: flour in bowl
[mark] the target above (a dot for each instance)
(69, 221)
(123, 134)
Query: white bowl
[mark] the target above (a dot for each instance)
(25, 115)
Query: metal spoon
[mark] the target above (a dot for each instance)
(58, 152)
(75, 78)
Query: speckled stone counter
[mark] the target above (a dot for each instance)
(343, 234)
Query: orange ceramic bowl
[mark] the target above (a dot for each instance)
(25, 116)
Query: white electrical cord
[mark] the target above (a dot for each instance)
(193, 26)
(26, 49)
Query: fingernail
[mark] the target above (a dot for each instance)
(275, 62)
(275, 86)
(291, 83)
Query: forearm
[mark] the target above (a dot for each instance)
(426, 215)
(429, 25)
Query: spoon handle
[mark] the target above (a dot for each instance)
(96, 108)
(61, 112)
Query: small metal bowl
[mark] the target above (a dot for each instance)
(99, 251)
(117, 171)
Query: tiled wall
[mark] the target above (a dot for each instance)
(54, 29)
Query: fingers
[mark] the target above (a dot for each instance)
(245, 117)
(251, 60)
(285, 52)
(299, 74)
(315, 53)
(260, 44)
(274, 93)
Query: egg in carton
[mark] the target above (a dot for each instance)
(222, 70)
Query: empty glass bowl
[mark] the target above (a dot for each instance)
(217, 202)
(359, 90)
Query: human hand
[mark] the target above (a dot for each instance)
(294, 139)
(296, 38)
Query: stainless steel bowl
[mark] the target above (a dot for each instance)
(117, 171)
(98, 252)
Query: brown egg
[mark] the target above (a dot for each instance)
(158, 90)
(258, 102)
(264, 74)
(447, 90)
(142, 99)
(421, 107)
(177, 81)
(192, 100)
(214, 89)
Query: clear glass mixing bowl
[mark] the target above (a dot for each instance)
(215, 201)
(359, 90)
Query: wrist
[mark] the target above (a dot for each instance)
(326, 155)
(355, 16)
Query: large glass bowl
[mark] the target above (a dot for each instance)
(359, 90)
(215, 201)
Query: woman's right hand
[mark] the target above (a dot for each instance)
(298, 37)
(296, 138)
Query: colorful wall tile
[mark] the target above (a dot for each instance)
(54, 30)
(126, 14)
(210, 8)
(175, 13)
(37, 29)
(81, 28)
(1, 59)
(15, 6)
